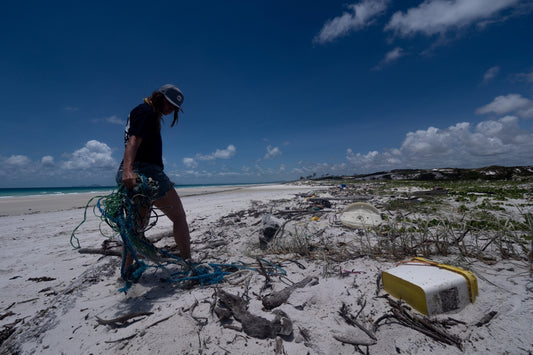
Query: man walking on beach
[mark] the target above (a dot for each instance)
(143, 155)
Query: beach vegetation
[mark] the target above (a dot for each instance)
(483, 219)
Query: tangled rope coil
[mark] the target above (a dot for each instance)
(121, 210)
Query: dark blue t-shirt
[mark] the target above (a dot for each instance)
(145, 123)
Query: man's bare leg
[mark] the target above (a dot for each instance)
(172, 207)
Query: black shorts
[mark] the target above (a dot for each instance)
(150, 171)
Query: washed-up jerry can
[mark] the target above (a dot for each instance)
(429, 287)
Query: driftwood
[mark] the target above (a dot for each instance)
(11, 305)
(276, 299)
(422, 324)
(27, 301)
(7, 314)
(8, 329)
(41, 279)
(354, 339)
(254, 326)
(102, 251)
(119, 321)
(352, 320)
(487, 318)
(202, 321)
(121, 339)
(113, 248)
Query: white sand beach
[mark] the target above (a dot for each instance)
(55, 300)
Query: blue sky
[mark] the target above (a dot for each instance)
(274, 90)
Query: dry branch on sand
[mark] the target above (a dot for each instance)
(424, 325)
(275, 299)
(122, 320)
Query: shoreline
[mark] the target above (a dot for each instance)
(68, 190)
(34, 204)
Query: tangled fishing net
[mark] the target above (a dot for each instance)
(122, 210)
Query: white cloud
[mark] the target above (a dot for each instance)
(94, 155)
(225, 153)
(47, 161)
(390, 57)
(440, 16)
(219, 154)
(527, 77)
(190, 163)
(199, 174)
(361, 15)
(305, 169)
(490, 74)
(115, 120)
(91, 164)
(393, 55)
(229, 173)
(272, 152)
(490, 142)
(18, 160)
(13, 169)
(512, 103)
(431, 142)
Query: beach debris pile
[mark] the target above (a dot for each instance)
(336, 264)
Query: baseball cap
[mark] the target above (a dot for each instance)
(173, 95)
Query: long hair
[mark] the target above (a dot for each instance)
(157, 101)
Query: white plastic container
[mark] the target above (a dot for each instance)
(431, 288)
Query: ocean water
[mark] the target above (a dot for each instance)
(43, 191)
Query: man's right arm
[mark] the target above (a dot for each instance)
(129, 177)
